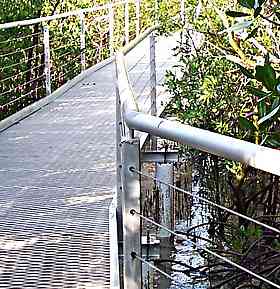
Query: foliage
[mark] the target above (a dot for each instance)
(22, 65)
(228, 82)
(252, 49)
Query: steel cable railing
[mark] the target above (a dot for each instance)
(208, 201)
(20, 50)
(23, 96)
(91, 25)
(250, 154)
(133, 212)
(19, 38)
(21, 73)
(21, 62)
(135, 256)
(19, 86)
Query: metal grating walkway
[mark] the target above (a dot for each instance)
(57, 176)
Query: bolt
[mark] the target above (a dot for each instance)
(278, 88)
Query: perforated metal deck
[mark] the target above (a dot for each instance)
(53, 240)
(56, 180)
(57, 175)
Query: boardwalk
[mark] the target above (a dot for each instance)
(57, 179)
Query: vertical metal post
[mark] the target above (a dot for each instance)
(153, 83)
(111, 29)
(131, 224)
(137, 12)
(182, 12)
(47, 59)
(83, 41)
(165, 173)
(156, 12)
(126, 21)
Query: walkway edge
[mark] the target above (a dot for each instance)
(114, 255)
(34, 107)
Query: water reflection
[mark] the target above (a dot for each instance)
(186, 252)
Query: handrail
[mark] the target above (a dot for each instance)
(58, 16)
(256, 156)
(127, 97)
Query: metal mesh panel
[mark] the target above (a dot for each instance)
(48, 242)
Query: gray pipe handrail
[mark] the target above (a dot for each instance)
(58, 16)
(256, 156)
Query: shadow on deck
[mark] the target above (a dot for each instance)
(57, 179)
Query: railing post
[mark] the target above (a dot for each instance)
(131, 224)
(153, 83)
(83, 41)
(156, 12)
(126, 21)
(164, 172)
(137, 12)
(111, 29)
(182, 12)
(47, 60)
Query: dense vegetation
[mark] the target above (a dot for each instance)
(229, 83)
(22, 75)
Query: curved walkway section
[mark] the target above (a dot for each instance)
(57, 178)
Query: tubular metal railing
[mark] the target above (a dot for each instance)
(50, 51)
(129, 120)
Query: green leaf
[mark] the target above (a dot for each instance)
(247, 3)
(247, 124)
(253, 33)
(269, 116)
(274, 141)
(277, 15)
(236, 14)
(259, 93)
(267, 75)
(246, 72)
(266, 58)
(262, 108)
(275, 103)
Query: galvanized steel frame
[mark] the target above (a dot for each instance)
(256, 156)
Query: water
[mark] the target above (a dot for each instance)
(186, 252)
(185, 255)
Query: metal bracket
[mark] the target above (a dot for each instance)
(160, 157)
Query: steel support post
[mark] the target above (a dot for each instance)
(153, 84)
(156, 12)
(83, 41)
(137, 12)
(165, 173)
(131, 224)
(182, 12)
(126, 21)
(111, 29)
(47, 60)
